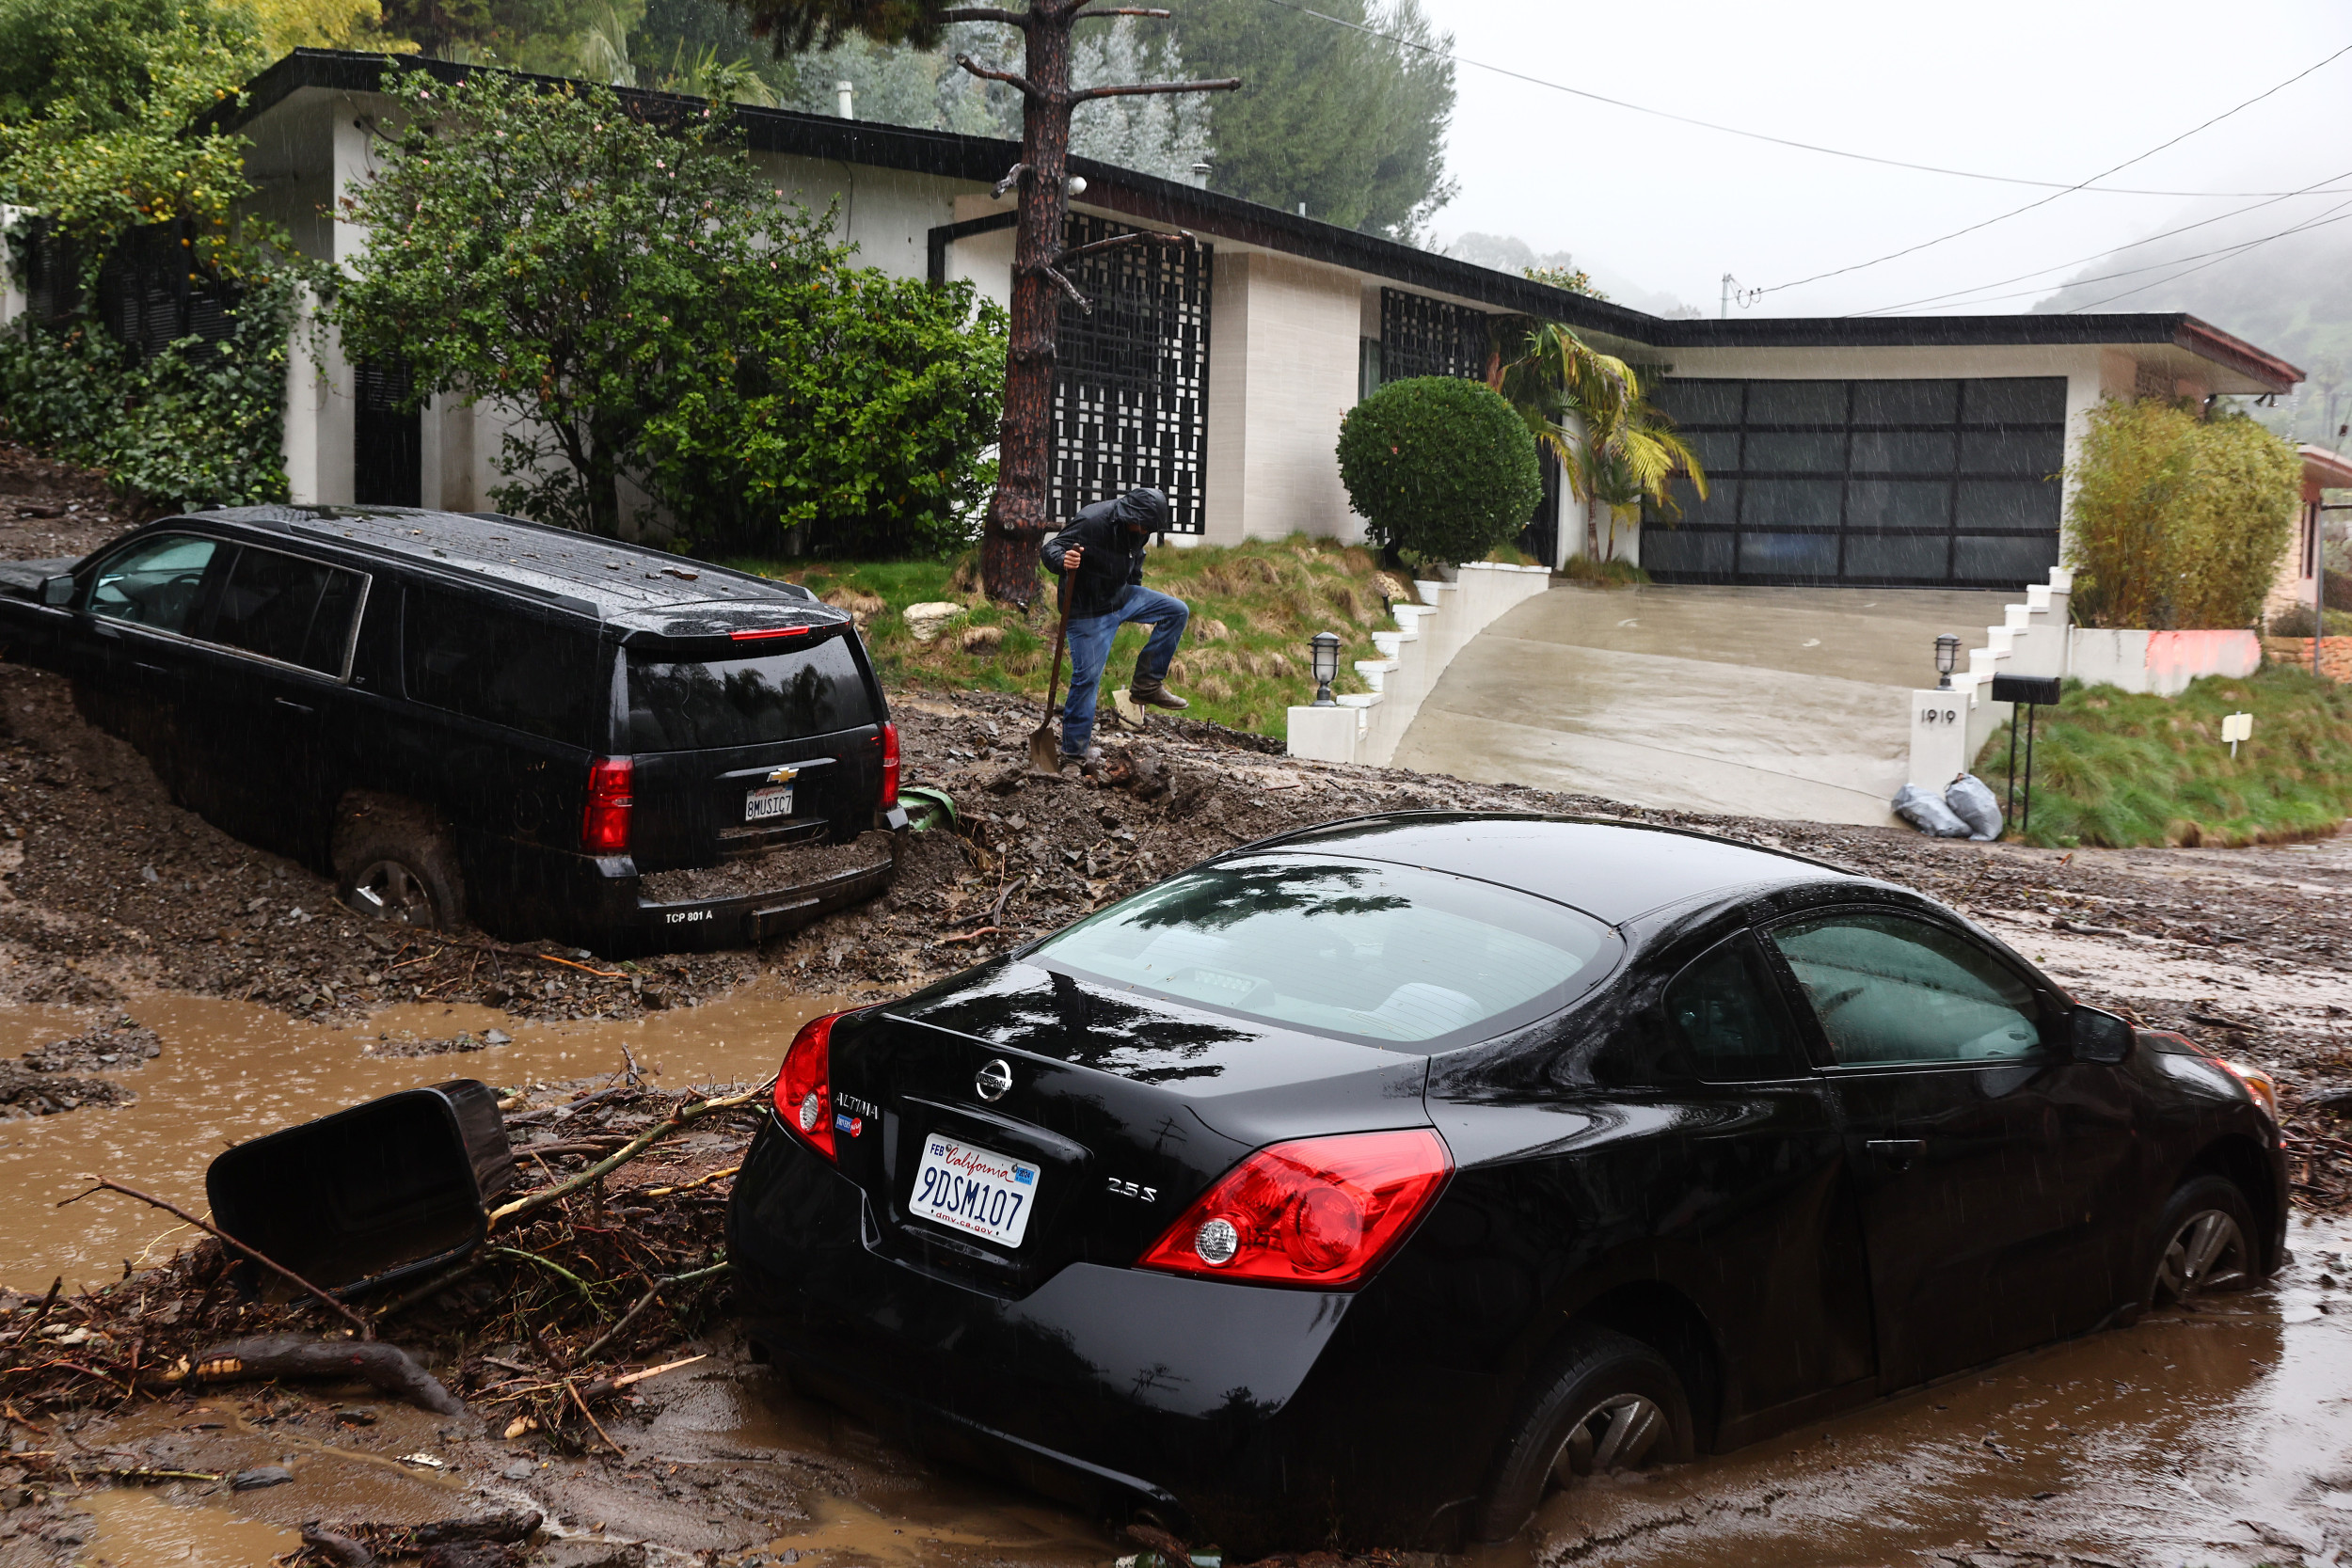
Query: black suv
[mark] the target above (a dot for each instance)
(471, 714)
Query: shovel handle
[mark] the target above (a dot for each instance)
(1061, 638)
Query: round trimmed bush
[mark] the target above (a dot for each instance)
(1440, 467)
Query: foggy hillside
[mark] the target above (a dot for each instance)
(2290, 296)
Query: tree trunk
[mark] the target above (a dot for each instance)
(1020, 517)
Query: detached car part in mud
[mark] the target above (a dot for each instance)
(467, 715)
(1372, 1181)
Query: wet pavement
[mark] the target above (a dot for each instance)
(1764, 702)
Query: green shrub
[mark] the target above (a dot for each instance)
(198, 424)
(1439, 465)
(2178, 521)
(2296, 622)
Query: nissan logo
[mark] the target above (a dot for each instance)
(992, 1081)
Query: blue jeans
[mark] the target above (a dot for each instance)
(1090, 649)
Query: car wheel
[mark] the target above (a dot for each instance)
(393, 860)
(2205, 1242)
(1605, 1401)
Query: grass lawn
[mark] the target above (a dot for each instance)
(2115, 769)
(1244, 656)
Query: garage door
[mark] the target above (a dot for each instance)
(1884, 483)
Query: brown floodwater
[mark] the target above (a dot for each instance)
(231, 1070)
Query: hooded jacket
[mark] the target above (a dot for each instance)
(1113, 558)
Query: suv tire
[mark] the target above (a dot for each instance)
(393, 859)
(1603, 1401)
(2204, 1241)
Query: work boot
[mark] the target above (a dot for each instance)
(1157, 694)
(1085, 761)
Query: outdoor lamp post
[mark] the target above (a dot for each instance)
(1324, 648)
(1946, 660)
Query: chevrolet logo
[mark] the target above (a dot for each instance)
(783, 775)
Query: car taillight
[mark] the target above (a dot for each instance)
(604, 826)
(804, 1084)
(1320, 1211)
(890, 766)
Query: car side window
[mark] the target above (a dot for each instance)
(501, 663)
(1729, 1018)
(1889, 989)
(287, 609)
(157, 583)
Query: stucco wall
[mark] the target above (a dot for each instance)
(1281, 375)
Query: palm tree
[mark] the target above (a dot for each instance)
(1619, 451)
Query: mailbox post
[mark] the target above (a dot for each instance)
(2033, 692)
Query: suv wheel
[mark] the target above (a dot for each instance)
(393, 859)
(1604, 1401)
(2205, 1242)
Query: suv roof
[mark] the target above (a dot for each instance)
(636, 588)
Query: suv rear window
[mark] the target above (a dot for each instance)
(702, 705)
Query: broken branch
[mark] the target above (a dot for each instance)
(643, 1301)
(991, 74)
(1182, 236)
(1223, 84)
(572, 1390)
(685, 1115)
(1071, 289)
(988, 13)
(367, 1330)
(276, 1355)
(1012, 178)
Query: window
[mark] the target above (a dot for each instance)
(1385, 953)
(157, 582)
(1901, 483)
(283, 607)
(707, 704)
(503, 663)
(1728, 1017)
(1888, 988)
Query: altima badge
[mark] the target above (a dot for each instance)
(993, 1080)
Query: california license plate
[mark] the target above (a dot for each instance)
(769, 801)
(973, 1190)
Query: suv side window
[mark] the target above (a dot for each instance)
(157, 583)
(1726, 1014)
(500, 662)
(1890, 988)
(284, 608)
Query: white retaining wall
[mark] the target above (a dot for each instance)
(1949, 727)
(1367, 728)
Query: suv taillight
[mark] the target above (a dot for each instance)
(804, 1084)
(890, 766)
(604, 826)
(1320, 1212)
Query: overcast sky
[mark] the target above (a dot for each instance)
(2040, 89)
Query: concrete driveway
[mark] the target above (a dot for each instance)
(1767, 702)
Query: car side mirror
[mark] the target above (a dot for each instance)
(57, 590)
(2098, 1036)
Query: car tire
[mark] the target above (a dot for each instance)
(1603, 1402)
(2204, 1243)
(393, 859)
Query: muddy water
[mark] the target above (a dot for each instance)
(231, 1069)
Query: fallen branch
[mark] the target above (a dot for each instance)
(648, 1300)
(367, 1330)
(617, 1448)
(276, 1355)
(702, 1180)
(682, 1116)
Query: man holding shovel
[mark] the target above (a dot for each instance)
(1100, 557)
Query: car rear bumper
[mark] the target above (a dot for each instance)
(1252, 1417)
(746, 919)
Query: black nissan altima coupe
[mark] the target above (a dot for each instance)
(1369, 1182)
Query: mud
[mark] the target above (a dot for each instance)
(52, 511)
(778, 868)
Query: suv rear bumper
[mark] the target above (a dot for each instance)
(598, 901)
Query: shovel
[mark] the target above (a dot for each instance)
(1044, 745)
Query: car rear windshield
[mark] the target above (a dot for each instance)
(700, 704)
(1386, 954)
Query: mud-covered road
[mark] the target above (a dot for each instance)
(165, 989)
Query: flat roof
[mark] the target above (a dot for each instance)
(1152, 199)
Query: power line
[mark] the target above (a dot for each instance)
(2240, 250)
(2014, 211)
(2311, 189)
(1764, 136)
